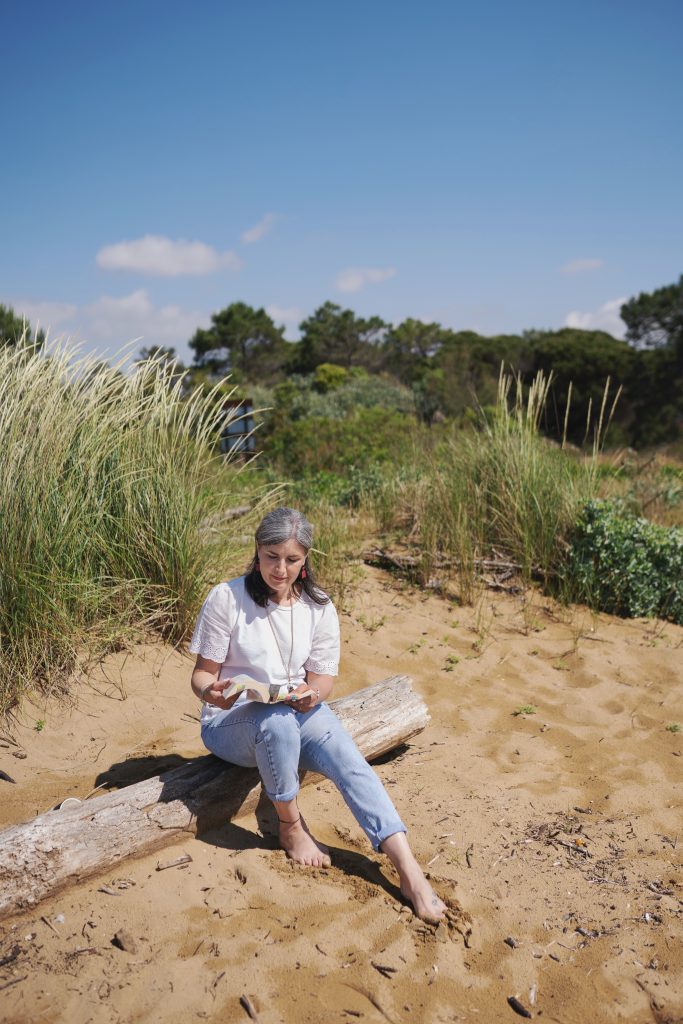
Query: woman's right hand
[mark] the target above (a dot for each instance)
(206, 686)
(213, 695)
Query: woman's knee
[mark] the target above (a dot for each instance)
(334, 751)
(280, 726)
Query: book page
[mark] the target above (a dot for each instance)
(255, 690)
(265, 693)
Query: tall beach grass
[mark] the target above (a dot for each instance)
(503, 492)
(111, 502)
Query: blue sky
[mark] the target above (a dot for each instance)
(493, 166)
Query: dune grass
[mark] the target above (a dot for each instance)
(503, 492)
(111, 497)
(113, 503)
(340, 535)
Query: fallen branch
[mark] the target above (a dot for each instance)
(378, 556)
(14, 981)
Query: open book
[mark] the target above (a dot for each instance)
(266, 693)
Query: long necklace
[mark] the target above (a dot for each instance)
(288, 666)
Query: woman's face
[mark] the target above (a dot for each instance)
(280, 564)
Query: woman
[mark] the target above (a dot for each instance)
(275, 625)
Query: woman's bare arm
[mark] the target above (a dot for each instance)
(315, 681)
(205, 683)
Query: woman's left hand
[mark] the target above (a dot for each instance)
(301, 703)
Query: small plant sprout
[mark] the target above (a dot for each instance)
(525, 709)
(450, 663)
(40, 725)
(371, 625)
(674, 727)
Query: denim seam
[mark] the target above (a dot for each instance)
(280, 799)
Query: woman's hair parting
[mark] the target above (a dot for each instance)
(284, 524)
(277, 527)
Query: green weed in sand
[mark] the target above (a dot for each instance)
(525, 709)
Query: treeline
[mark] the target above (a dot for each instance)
(450, 372)
(447, 374)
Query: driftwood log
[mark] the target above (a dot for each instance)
(43, 856)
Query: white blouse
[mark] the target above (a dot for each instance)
(245, 638)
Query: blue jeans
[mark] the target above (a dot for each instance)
(280, 742)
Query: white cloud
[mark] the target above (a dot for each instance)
(285, 314)
(136, 316)
(44, 315)
(256, 233)
(581, 266)
(606, 318)
(108, 324)
(166, 257)
(353, 279)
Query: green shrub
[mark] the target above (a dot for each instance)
(329, 397)
(328, 377)
(625, 564)
(365, 391)
(317, 443)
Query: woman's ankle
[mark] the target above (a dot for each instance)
(287, 811)
(286, 821)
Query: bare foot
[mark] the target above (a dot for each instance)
(414, 885)
(301, 847)
(321, 846)
(426, 903)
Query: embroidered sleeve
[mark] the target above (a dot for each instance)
(324, 656)
(211, 637)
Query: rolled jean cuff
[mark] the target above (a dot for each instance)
(384, 833)
(281, 798)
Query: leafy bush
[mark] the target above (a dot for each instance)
(625, 564)
(330, 397)
(317, 443)
(329, 377)
(364, 391)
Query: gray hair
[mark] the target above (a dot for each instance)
(283, 524)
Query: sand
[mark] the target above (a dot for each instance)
(559, 832)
